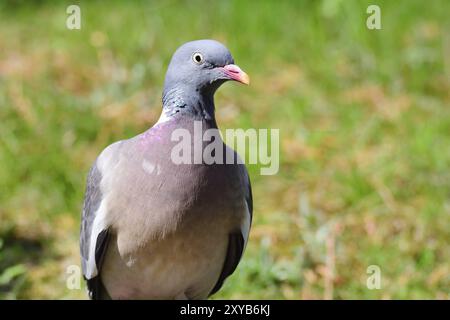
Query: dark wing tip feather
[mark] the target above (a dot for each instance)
(249, 199)
(95, 286)
(234, 253)
(236, 241)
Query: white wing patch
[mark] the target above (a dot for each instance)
(98, 226)
(162, 118)
(100, 221)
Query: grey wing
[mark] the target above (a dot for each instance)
(92, 254)
(237, 240)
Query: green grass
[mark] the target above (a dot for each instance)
(364, 124)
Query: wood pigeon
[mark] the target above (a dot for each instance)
(155, 229)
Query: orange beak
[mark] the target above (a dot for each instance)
(237, 74)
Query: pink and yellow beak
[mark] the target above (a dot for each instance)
(237, 74)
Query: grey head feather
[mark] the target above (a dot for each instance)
(194, 74)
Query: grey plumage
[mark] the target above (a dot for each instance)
(152, 229)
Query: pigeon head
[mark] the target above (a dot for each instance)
(196, 71)
(203, 65)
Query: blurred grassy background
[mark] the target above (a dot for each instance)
(365, 135)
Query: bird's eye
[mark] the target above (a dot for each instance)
(197, 57)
